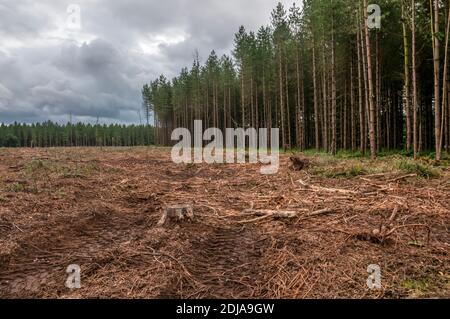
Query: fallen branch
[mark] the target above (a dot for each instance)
(401, 178)
(407, 226)
(393, 215)
(324, 211)
(279, 214)
(384, 234)
(376, 175)
(383, 230)
(325, 189)
(273, 213)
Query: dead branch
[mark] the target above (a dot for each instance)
(264, 214)
(407, 226)
(393, 215)
(280, 214)
(325, 189)
(401, 178)
(272, 213)
(324, 211)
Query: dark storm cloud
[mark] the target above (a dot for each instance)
(49, 72)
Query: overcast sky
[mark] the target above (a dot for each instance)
(49, 69)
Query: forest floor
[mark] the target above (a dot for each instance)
(99, 208)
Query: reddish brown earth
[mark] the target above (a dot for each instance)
(99, 208)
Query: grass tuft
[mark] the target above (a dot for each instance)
(417, 287)
(36, 166)
(421, 170)
(16, 187)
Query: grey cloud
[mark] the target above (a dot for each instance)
(22, 18)
(48, 73)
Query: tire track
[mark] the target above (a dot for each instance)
(224, 263)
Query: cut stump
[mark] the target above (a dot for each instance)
(298, 164)
(176, 214)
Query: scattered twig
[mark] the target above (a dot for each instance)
(21, 230)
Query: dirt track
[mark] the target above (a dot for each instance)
(99, 209)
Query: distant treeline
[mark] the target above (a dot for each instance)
(49, 134)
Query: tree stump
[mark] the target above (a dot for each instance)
(297, 163)
(176, 214)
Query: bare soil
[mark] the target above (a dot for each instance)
(99, 208)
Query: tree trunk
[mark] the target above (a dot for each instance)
(352, 107)
(283, 132)
(373, 150)
(325, 104)
(407, 108)
(444, 82)
(316, 104)
(360, 93)
(378, 93)
(298, 118)
(288, 115)
(333, 93)
(242, 97)
(414, 77)
(366, 86)
(436, 64)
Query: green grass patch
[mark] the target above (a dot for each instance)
(349, 154)
(417, 287)
(420, 169)
(16, 187)
(68, 172)
(349, 164)
(84, 170)
(349, 171)
(313, 152)
(36, 166)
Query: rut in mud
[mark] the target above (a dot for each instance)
(222, 263)
(92, 239)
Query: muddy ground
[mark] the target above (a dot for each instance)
(99, 209)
